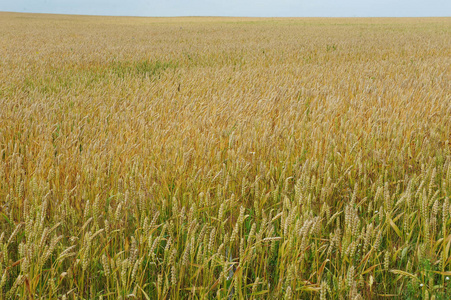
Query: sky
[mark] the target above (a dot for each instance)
(241, 8)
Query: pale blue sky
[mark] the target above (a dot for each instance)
(254, 8)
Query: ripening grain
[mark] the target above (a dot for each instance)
(224, 158)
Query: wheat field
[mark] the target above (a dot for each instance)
(224, 158)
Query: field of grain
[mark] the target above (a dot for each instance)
(224, 158)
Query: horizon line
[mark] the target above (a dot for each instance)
(216, 16)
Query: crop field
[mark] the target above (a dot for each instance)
(224, 158)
